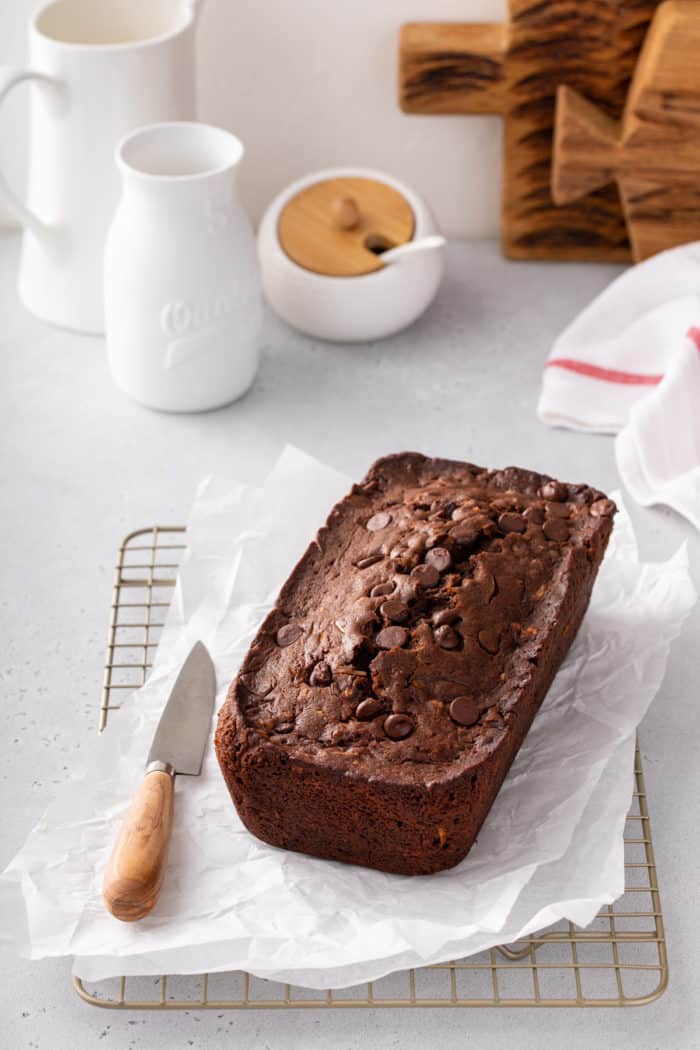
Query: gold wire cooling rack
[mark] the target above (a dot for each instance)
(620, 960)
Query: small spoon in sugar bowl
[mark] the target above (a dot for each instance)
(424, 244)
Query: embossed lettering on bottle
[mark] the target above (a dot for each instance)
(190, 327)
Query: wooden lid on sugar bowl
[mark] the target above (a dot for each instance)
(340, 226)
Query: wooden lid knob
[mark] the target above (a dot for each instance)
(346, 212)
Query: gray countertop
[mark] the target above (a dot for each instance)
(81, 466)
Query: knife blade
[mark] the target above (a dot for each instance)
(136, 868)
(182, 733)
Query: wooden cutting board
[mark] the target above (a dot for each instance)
(653, 153)
(513, 69)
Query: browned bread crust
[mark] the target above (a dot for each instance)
(386, 695)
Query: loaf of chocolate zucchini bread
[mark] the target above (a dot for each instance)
(385, 696)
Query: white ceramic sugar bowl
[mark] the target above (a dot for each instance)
(328, 268)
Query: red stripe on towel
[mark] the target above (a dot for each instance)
(609, 375)
(693, 334)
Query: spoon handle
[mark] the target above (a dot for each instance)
(425, 244)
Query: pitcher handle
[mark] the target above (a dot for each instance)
(9, 77)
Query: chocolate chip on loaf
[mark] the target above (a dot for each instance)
(369, 708)
(557, 510)
(488, 640)
(426, 575)
(464, 537)
(288, 634)
(556, 529)
(394, 610)
(445, 616)
(398, 727)
(509, 521)
(388, 587)
(379, 521)
(369, 559)
(534, 514)
(555, 491)
(321, 674)
(440, 558)
(464, 710)
(392, 637)
(447, 637)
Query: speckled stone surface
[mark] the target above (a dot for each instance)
(80, 466)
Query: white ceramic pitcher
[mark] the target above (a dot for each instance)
(99, 69)
(183, 295)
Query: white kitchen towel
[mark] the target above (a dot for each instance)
(630, 365)
(658, 452)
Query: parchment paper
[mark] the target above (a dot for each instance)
(551, 847)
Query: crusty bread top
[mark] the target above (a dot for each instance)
(409, 628)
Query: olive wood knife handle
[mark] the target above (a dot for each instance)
(136, 868)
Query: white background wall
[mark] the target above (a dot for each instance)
(311, 83)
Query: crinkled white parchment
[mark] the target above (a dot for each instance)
(551, 847)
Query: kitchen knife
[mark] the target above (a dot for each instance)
(136, 868)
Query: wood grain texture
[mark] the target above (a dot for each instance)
(653, 152)
(136, 869)
(514, 70)
(311, 234)
(453, 69)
